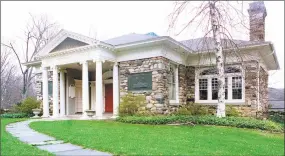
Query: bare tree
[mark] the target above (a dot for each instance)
(9, 80)
(214, 18)
(37, 33)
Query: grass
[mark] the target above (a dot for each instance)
(12, 146)
(134, 139)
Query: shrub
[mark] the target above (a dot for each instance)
(231, 111)
(205, 120)
(2, 111)
(192, 109)
(277, 117)
(130, 104)
(27, 105)
(14, 115)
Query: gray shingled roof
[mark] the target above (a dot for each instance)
(196, 44)
(129, 38)
(207, 43)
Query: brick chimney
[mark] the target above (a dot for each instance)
(257, 13)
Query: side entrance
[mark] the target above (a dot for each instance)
(109, 98)
(108, 94)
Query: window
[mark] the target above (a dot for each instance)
(237, 88)
(49, 88)
(171, 83)
(203, 89)
(207, 87)
(214, 89)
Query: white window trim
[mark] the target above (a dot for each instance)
(209, 79)
(176, 100)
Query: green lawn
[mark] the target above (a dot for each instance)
(12, 146)
(130, 139)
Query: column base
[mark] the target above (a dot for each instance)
(99, 117)
(114, 116)
(45, 116)
(62, 116)
(54, 116)
(83, 117)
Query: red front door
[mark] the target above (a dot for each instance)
(109, 98)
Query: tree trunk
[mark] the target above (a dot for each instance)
(24, 91)
(219, 59)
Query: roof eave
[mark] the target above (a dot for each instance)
(274, 55)
(154, 40)
(32, 63)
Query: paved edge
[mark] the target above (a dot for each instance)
(22, 131)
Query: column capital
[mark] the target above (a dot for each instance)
(98, 60)
(63, 70)
(44, 68)
(54, 67)
(116, 63)
(83, 62)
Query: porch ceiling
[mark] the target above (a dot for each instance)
(91, 66)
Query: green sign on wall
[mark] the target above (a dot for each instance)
(140, 81)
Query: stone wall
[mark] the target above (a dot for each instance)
(39, 89)
(251, 89)
(190, 81)
(182, 81)
(263, 90)
(159, 66)
(186, 76)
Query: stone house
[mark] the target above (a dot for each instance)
(77, 73)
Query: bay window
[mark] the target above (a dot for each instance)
(203, 89)
(173, 84)
(206, 88)
(237, 87)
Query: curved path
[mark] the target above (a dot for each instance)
(23, 132)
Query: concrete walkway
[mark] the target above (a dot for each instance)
(23, 132)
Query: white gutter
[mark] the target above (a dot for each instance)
(274, 55)
(32, 63)
(243, 47)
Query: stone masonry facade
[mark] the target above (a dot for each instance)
(158, 67)
(157, 101)
(254, 86)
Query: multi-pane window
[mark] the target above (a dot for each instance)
(171, 83)
(237, 87)
(203, 89)
(207, 89)
(214, 89)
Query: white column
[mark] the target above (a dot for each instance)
(99, 89)
(45, 92)
(85, 89)
(55, 92)
(115, 90)
(62, 93)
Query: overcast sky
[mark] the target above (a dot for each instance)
(110, 19)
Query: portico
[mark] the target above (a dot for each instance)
(92, 93)
(97, 64)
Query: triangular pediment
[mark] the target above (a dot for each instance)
(66, 40)
(68, 43)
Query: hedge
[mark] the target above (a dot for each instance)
(240, 122)
(14, 115)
